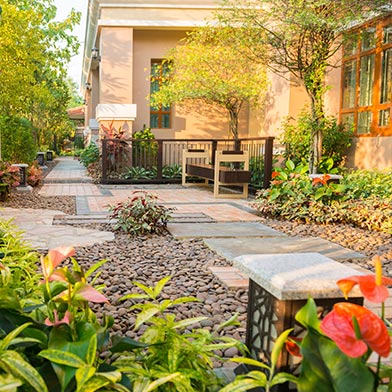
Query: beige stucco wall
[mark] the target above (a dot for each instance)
(370, 153)
(116, 49)
(186, 121)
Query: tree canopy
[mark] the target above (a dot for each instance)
(34, 52)
(206, 68)
(302, 38)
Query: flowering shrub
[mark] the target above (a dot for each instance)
(34, 174)
(9, 175)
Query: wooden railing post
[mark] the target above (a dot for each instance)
(160, 159)
(268, 156)
(104, 161)
(214, 146)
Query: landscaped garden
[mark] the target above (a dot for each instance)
(147, 259)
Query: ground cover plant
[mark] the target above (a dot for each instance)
(52, 340)
(362, 198)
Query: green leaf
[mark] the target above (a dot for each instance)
(278, 346)
(160, 381)
(307, 316)
(290, 165)
(232, 321)
(112, 376)
(82, 375)
(184, 300)
(160, 285)
(148, 311)
(7, 341)
(134, 296)
(242, 384)
(62, 358)
(189, 321)
(251, 362)
(8, 383)
(94, 384)
(121, 344)
(282, 377)
(325, 368)
(15, 363)
(148, 290)
(94, 267)
(9, 299)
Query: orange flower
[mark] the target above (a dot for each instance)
(354, 328)
(275, 174)
(372, 286)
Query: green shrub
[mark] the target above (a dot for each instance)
(294, 196)
(19, 262)
(173, 358)
(89, 155)
(78, 142)
(362, 184)
(139, 173)
(296, 138)
(56, 343)
(20, 146)
(144, 149)
(140, 215)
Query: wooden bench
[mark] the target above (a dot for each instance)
(220, 175)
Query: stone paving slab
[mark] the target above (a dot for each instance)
(234, 247)
(39, 232)
(222, 229)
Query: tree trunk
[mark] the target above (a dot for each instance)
(315, 90)
(233, 112)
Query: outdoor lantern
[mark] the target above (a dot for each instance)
(279, 286)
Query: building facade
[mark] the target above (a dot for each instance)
(126, 40)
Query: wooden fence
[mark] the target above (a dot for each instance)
(159, 161)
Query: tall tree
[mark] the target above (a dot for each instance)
(302, 37)
(206, 69)
(34, 52)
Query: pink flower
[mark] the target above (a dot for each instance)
(54, 258)
(65, 320)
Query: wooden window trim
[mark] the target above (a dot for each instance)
(376, 106)
(160, 112)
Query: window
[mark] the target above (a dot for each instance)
(160, 116)
(366, 102)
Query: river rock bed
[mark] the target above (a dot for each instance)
(147, 259)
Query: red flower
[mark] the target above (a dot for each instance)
(321, 180)
(354, 328)
(293, 347)
(372, 286)
(275, 174)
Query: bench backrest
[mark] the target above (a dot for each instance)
(232, 156)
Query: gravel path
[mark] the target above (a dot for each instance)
(147, 259)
